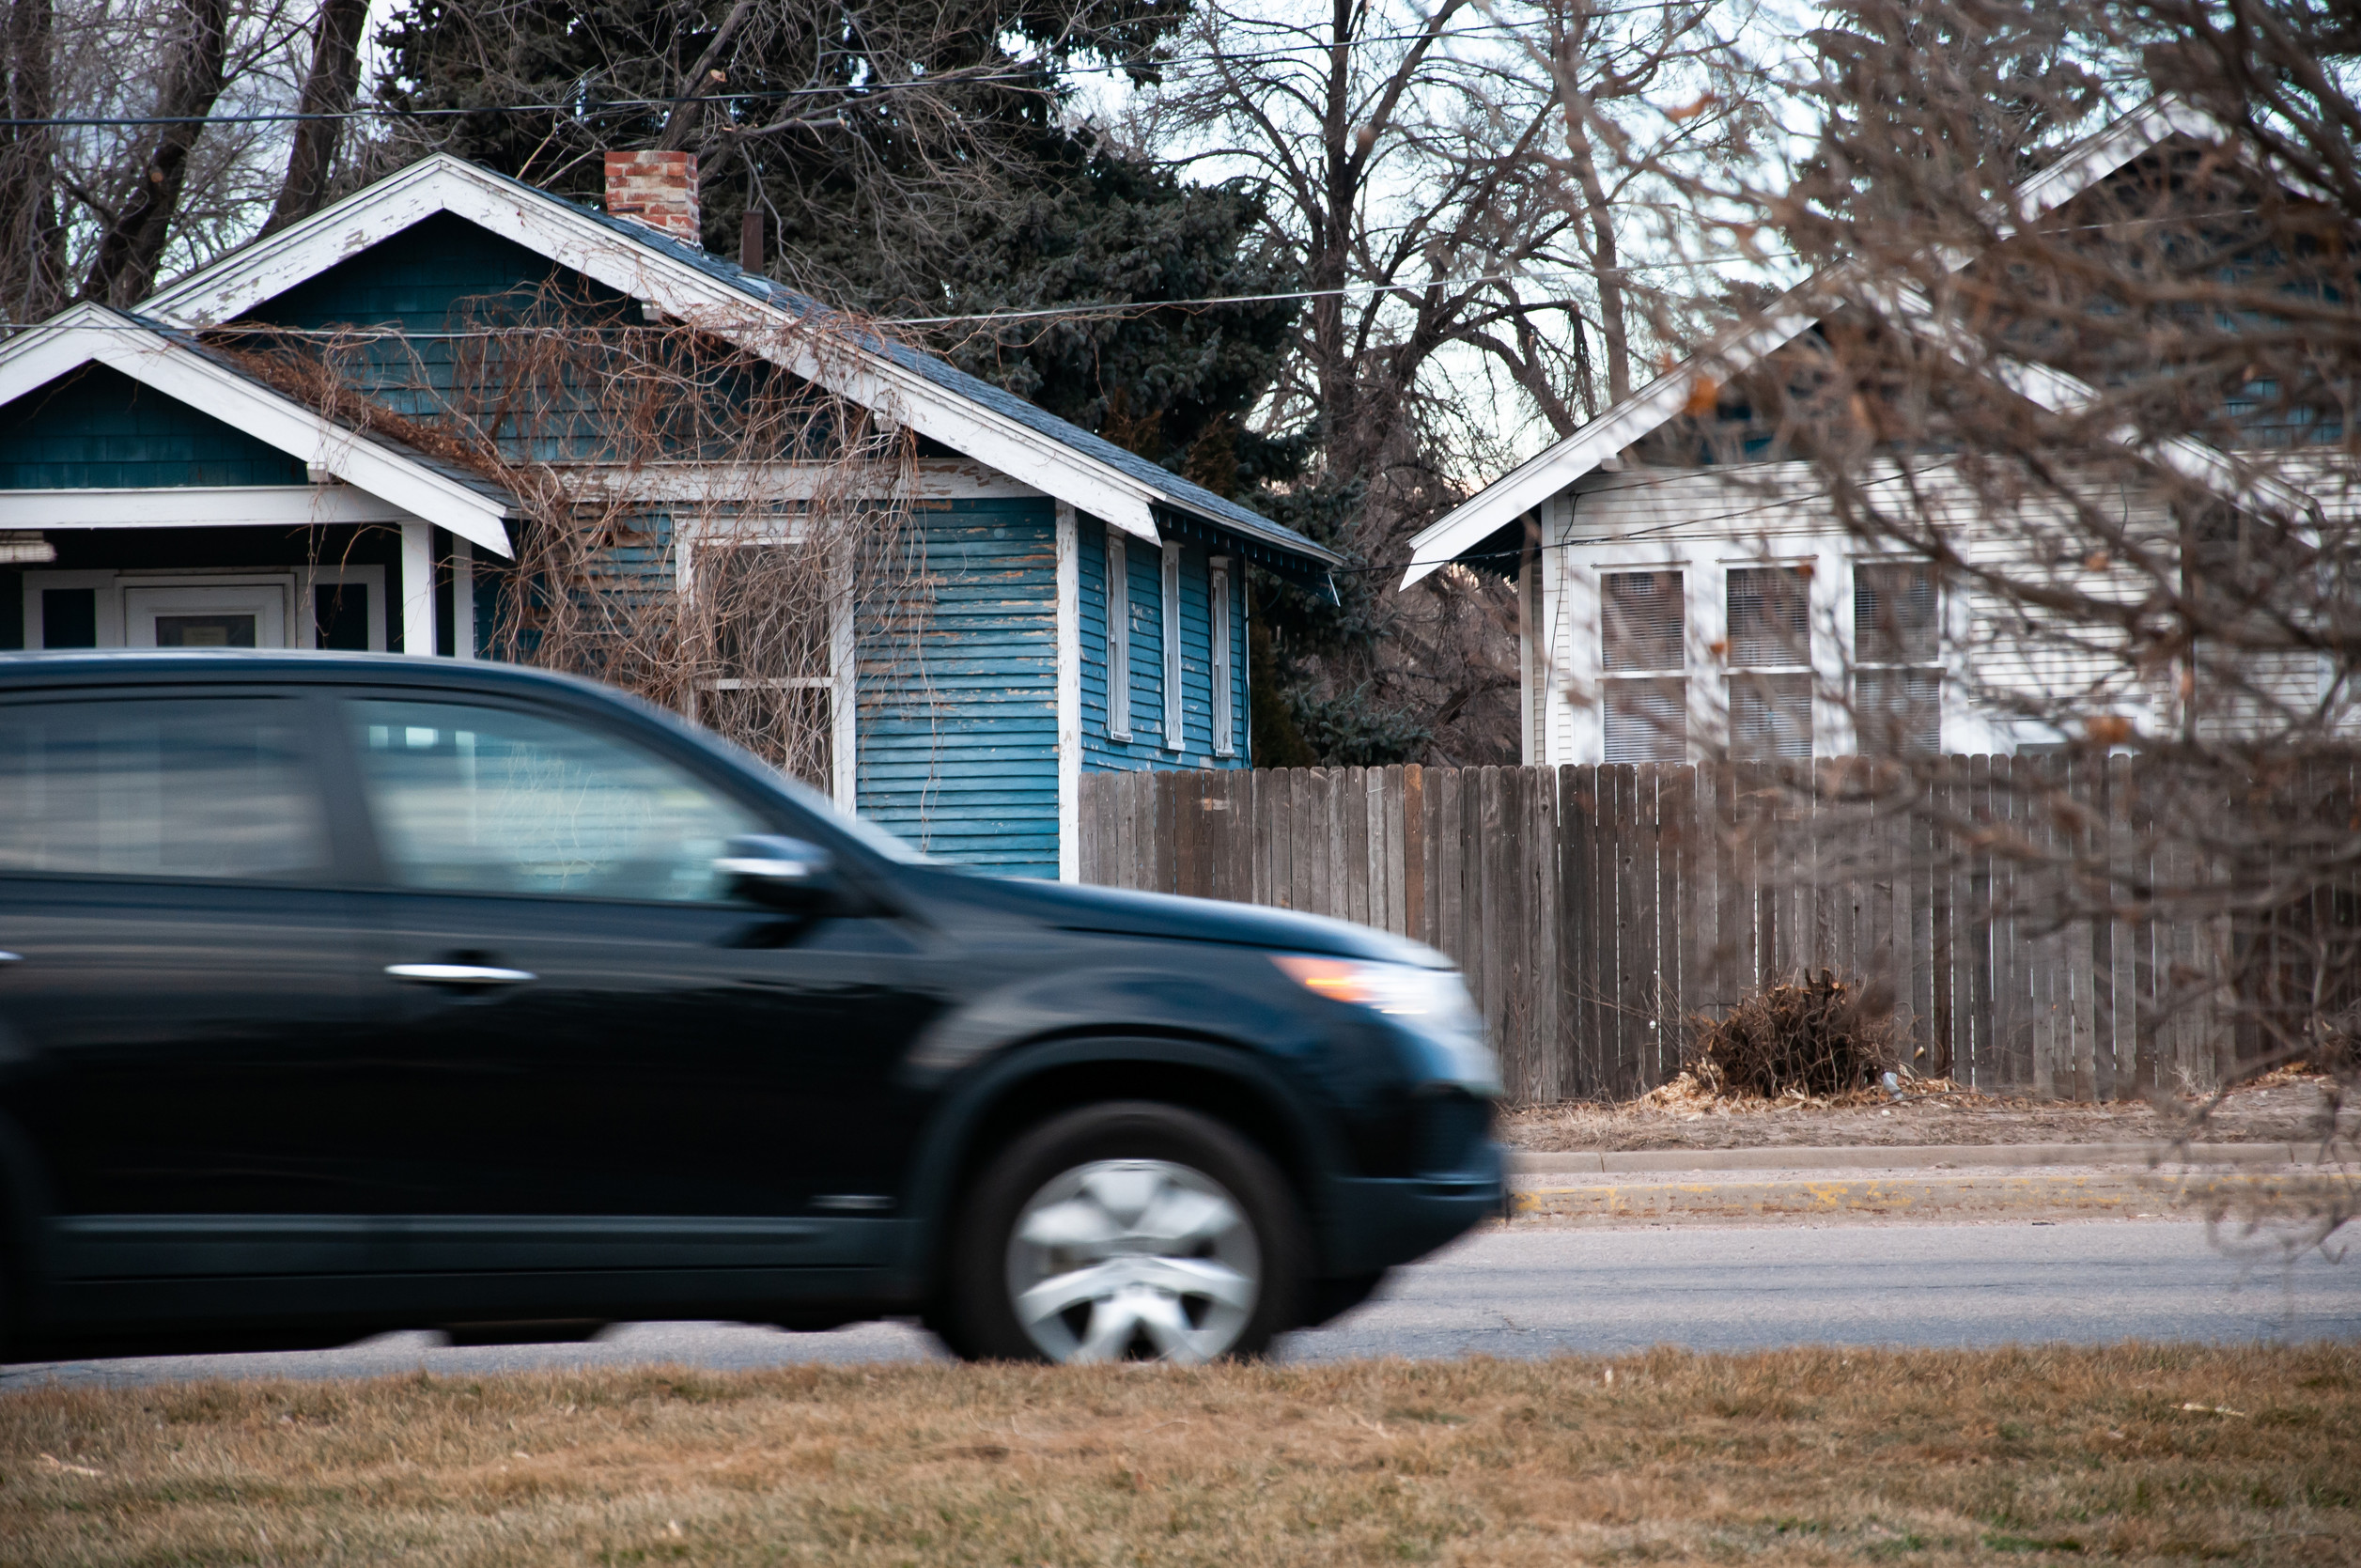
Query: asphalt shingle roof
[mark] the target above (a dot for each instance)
(1175, 490)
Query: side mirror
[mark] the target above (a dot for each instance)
(778, 873)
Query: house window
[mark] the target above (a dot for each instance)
(1174, 737)
(1643, 637)
(1118, 640)
(1225, 717)
(1769, 625)
(1897, 660)
(774, 674)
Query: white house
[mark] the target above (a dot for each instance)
(1671, 613)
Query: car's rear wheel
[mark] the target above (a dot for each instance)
(1129, 1231)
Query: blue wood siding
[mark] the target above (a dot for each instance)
(957, 746)
(97, 429)
(1143, 564)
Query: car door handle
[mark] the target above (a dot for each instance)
(457, 975)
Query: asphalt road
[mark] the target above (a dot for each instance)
(1538, 1291)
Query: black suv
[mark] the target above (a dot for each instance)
(340, 994)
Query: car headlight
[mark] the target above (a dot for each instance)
(1434, 1002)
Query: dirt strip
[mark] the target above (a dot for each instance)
(1916, 1196)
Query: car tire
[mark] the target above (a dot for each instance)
(1130, 1230)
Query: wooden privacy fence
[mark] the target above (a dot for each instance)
(1597, 910)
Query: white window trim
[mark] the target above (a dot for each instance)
(840, 681)
(1118, 597)
(1175, 731)
(1827, 718)
(1690, 649)
(1225, 710)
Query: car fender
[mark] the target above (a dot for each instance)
(945, 1148)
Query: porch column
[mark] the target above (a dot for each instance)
(462, 599)
(418, 587)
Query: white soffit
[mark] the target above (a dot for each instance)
(1542, 476)
(92, 335)
(554, 230)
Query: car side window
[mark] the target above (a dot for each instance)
(214, 787)
(471, 798)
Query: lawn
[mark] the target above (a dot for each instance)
(2134, 1453)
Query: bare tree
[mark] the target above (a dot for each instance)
(2119, 433)
(329, 88)
(1460, 187)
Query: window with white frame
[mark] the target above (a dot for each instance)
(778, 681)
(1897, 658)
(1224, 715)
(1643, 660)
(1118, 639)
(1174, 737)
(1769, 628)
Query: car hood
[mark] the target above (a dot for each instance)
(1190, 919)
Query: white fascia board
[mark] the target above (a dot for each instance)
(275, 263)
(197, 507)
(88, 334)
(2153, 122)
(554, 230)
(1541, 477)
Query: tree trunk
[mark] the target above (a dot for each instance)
(329, 88)
(32, 239)
(133, 244)
(1606, 263)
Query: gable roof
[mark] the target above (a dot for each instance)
(176, 365)
(1793, 313)
(926, 394)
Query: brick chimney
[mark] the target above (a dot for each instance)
(658, 189)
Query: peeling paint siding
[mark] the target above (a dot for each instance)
(1146, 748)
(443, 274)
(957, 744)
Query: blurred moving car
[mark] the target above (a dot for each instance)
(348, 993)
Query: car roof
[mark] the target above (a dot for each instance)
(98, 667)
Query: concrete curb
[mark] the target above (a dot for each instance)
(2103, 1193)
(1901, 1157)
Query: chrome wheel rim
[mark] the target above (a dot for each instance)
(1133, 1259)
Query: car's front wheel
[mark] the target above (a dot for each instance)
(1122, 1232)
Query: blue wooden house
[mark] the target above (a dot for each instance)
(1087, 607)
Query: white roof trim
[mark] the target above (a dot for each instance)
(1551, 470)
(93, 334)
(556, 230)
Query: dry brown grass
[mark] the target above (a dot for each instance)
(2138, 1453)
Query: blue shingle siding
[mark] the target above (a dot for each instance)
(1143, 562)
(446, 275)
(99, 430)
(957, 746)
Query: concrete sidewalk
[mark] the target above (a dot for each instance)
(1907, 1157)
(1921, 1182)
